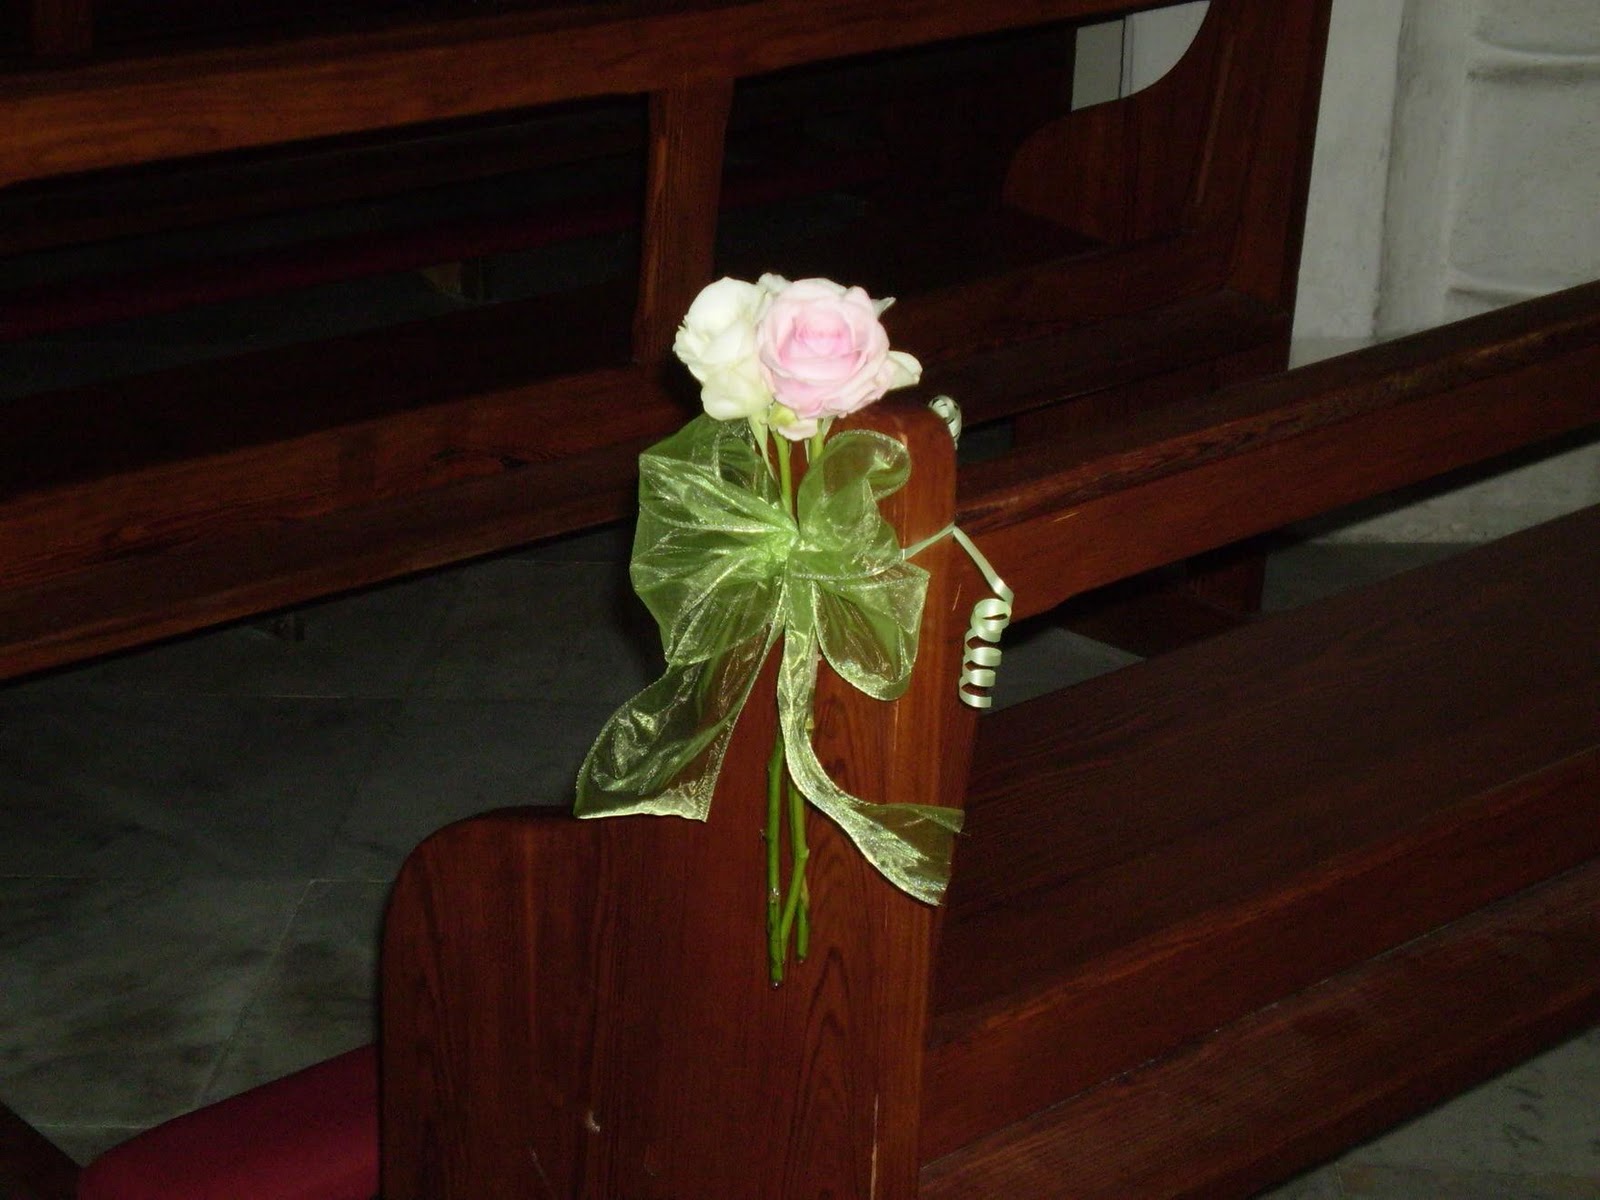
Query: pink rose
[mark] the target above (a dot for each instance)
(824, 353)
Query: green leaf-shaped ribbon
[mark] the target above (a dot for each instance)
(725, 570)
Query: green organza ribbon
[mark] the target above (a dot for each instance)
(725, 571)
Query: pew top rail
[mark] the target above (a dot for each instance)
(1125, 254)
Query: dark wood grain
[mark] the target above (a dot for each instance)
(1309, 441)
(626, 1041)
(687, 130)
(581, 1008)
(259, 567)
(1271, 1095)
(1243, 818)
(296, 447)
(128, 203)
(114, 114)
(1215, 144)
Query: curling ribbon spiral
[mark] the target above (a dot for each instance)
(980, 659)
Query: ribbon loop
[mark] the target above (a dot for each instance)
(726, 571)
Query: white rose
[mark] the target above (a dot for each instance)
(717, 342)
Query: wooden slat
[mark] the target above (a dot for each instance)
(1260, 455)
(1273, 1094)
(111, 115)
(128, 601)
(1113, 349)
(1260, 811)
(687, 128)
(129, 203)
(101, 479)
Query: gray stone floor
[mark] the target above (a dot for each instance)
(196, 841)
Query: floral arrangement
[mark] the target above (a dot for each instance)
(731, 556)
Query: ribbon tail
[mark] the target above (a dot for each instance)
(911, 844)
(661, 752)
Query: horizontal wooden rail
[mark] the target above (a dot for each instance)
(1298, 1082)
(70, 120)
(224, 472)
(1209, 822)
(140, 598)
(1260, 455)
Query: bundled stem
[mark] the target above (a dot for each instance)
(778, 918)
(777, 948)
(796, 915)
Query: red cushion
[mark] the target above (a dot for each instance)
(310, 1136)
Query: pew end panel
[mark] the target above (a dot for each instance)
(588, 1002)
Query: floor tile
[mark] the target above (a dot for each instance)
(144, 787)
(1371, 1182)
(317, 996)
(520, 630)
(121, 996)
(1307, 571)
(1039, 657)
(1322, 1184)
(447, 759)
(607, 544)
(1540, 1118)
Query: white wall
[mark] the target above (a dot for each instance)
(1457, 168)
(1492, 195)
(1341, 261)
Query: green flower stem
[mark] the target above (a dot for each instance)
(797, 908)
(785, 473)
(781, 916)
(758, 431)
(777, 948)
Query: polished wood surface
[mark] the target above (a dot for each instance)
(634, 1046)
(688, 126)
(187, 497)
(1260, 455)
(1321, 1070)
(108, 115)
(582, 1007)
(1244, 818)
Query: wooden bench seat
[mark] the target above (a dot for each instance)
(1238, 820)
(1301, 1080)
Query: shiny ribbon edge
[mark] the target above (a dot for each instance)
(879, 830)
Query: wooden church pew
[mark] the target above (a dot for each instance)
(1214, 916)
(1055, 297)
(148, 508)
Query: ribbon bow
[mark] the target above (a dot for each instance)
(725, 571)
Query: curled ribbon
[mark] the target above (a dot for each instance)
(726, 571)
